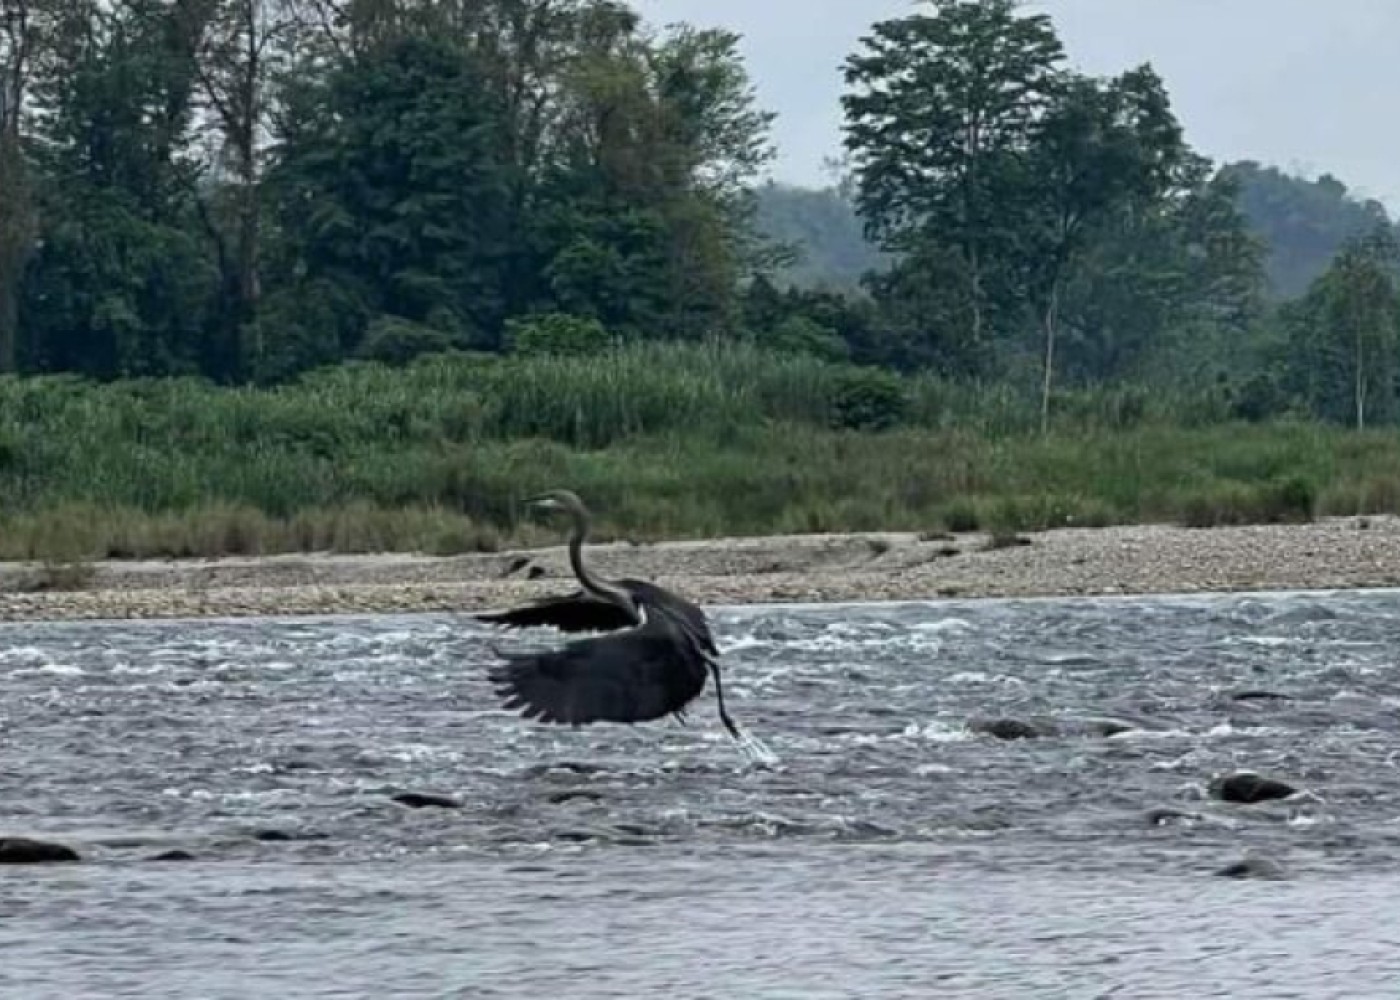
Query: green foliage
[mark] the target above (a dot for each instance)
(432, 226)
(665, 440)
(391, 173)
(396, 341)
(558, 334)
(1345, 332)
(870, 399)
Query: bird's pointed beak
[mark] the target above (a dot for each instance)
(541, 502)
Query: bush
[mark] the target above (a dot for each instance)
(394, 340)
(557, 334)
(869, 399)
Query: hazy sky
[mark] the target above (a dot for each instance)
(1307, 85)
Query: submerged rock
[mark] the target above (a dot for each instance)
(426, 800)
(23, 851)
(1012, 729)
(559, 798)
(1248, 787)
(175, 855)
(279, 836)
(1260, 868)
(1259, 695)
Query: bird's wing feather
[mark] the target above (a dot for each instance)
(576, 612)
(685, 614)
(636, 675)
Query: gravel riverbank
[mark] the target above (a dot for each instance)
(1329, 554)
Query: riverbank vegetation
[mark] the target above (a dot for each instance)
(359, 276)
(667, 441)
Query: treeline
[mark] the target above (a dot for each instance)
(245, 190)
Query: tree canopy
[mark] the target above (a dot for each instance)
(245, 190)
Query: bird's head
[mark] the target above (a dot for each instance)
(557, 500)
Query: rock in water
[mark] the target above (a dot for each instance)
(1255, 694)
(1247, 787)
(1260, 868)
(23, 851)
(175, 855)
(1010, 729)
(423, 800)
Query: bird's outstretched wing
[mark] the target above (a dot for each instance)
(636, 675)
(576, 612)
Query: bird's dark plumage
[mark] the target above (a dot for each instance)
(576, 612)
(635, 675)
(652, 661)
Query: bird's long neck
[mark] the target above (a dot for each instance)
(595, 586)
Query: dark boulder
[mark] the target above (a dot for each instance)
(426, 800)
(583, 794)
(175, 855)
(1247, 787)
(1259, 695)
(23, 851)
(1012, 729)
(1260, 868)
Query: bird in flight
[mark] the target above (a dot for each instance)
(651, 662)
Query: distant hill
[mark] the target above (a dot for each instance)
(1303, 223)
(824, 228)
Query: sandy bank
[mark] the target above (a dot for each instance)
(1334, 553)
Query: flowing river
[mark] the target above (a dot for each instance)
(897, 849)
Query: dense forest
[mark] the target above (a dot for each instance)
(245, 190)
(251, 196)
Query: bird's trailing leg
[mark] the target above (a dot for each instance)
(750, 746)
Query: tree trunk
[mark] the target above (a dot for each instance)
(1360, 388)
(1049, 321)
(16, 243)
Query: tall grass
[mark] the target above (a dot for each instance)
(664, 441)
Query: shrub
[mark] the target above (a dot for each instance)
(869, 399)
(557, 334)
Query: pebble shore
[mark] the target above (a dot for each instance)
(1336, 553)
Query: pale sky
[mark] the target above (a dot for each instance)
(1310, 86)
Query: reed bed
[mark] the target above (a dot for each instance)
(666, 441)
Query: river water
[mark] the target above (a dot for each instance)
(893, 851)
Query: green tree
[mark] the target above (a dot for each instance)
(119, 286)
(1345, 332)
(19, 44)
(391, 186)
(1103, 149)
(244, 45)
(938, 122)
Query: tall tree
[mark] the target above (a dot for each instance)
(243, 46)
(938, 122)
(118, 284)
(1102, 149)
(19, 42)
(391, 184)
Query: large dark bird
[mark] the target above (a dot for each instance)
(651, 663)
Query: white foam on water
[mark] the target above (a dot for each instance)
(937, 732)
